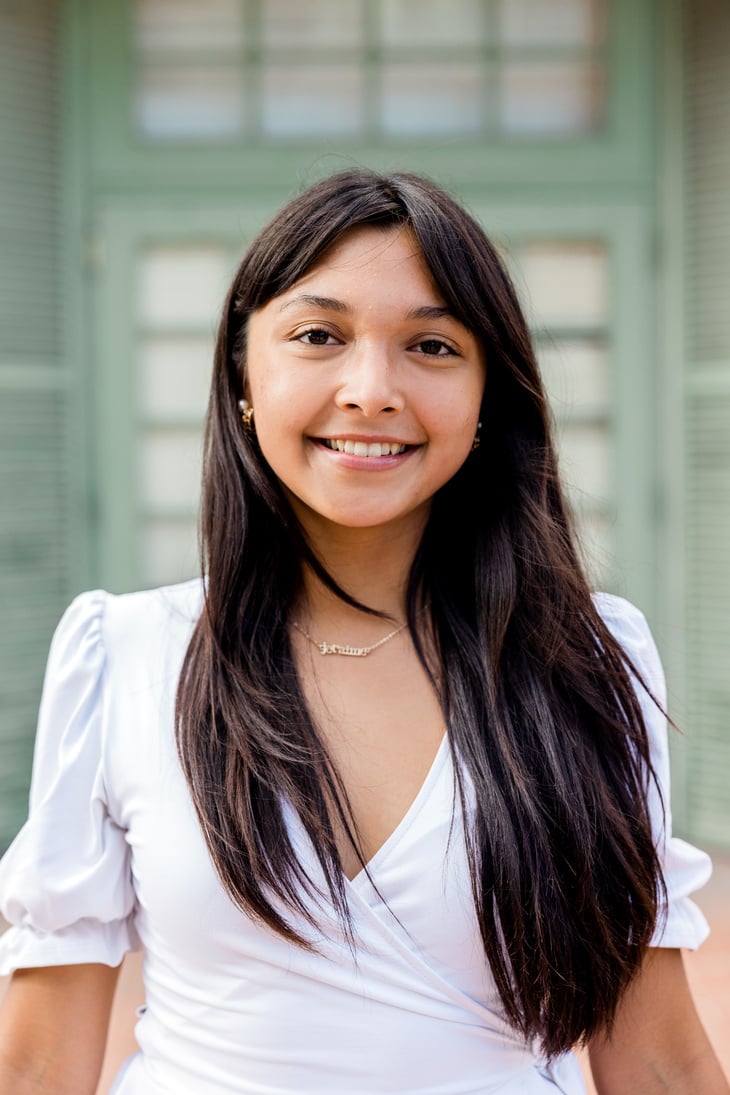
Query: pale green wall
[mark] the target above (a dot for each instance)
(78, 194)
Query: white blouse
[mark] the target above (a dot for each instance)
(112, 859)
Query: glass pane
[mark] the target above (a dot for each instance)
(432, 22)
(432, 99)
(551, 98)
(182, 286)
(301, 100)
(170, 470)
(173, 25)
(190, 100)
(313, 23)
(560, 22)
(169, 552)
(174, 377)
(576, 375)
(567, 283)
(596, 536)
(585, 460)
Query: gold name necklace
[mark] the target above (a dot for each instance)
(348, 651)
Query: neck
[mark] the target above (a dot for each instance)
(371, 564)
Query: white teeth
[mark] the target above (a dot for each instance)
(363, 448)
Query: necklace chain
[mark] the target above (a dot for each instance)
(348, 651)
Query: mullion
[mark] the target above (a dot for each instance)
(253, 53)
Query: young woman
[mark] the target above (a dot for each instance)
(384, 799)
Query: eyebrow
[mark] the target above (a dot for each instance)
(329, 304)
(431, 311)
(332, 304)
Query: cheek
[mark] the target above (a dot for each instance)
(279, 391)
(282, 413)
(456, 413)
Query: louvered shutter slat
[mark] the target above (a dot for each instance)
(34, 469)
(708, 422)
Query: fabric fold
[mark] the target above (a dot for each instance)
(65, 881)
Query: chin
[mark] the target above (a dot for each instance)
(377, 519)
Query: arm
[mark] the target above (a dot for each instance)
(658, 1043)
(53, 1027)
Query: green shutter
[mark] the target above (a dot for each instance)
(34, 555)
(708, 421)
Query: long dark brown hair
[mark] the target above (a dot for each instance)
(542, 714)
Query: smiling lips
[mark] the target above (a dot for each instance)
(364, 448)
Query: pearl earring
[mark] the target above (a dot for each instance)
(477, 441)
(246, 415)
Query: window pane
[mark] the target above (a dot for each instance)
(551, 99)
(172, 25)
(596, 534)
(567, 283)
(182, 286)
(174, 377)
(190, 100)
(312, 23)
(585, 453)
(304, 100)
(432, 99)
(576, 376)
(169, 551)
(432, 22)
(170, 462)
(191, 76)
(560, 22)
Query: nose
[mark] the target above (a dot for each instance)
(370, 383)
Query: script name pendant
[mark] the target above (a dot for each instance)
(348, 651)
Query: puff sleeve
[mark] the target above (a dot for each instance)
(65, 882)
(680, 922)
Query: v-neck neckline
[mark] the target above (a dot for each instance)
(363, 875)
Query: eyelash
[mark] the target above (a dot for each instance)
(450, 352)
(313, 331)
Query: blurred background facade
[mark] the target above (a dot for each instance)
(144, 142)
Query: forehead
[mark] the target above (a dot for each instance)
(363, 257)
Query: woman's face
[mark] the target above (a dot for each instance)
(366, 390)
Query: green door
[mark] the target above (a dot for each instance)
(190, 123)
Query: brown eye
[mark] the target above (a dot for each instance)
(434, 347)
(315, 336)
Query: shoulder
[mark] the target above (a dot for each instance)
(619, 614)
(119, 628)
(120, 615)
(629, 627)
(127, 614)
